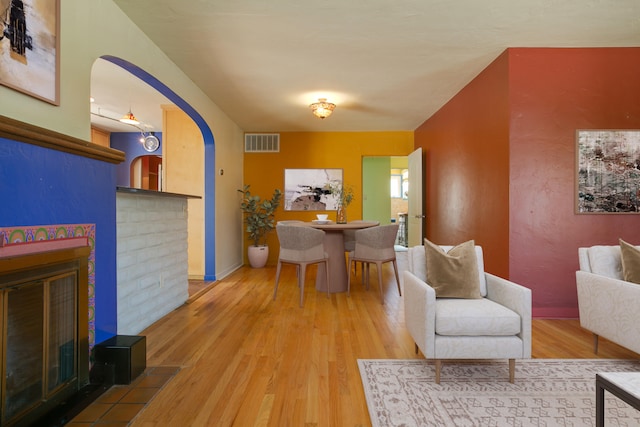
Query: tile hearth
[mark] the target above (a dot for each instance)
(119, 405)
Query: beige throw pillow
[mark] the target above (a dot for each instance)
(453, 274)
(630, 262)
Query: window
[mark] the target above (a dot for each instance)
(400, 185)
(396, 186)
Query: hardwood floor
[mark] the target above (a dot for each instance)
(246, 360)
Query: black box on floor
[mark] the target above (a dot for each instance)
(128, 353)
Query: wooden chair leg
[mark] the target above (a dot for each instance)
(379, 265)
(349, 263)
(326, 268)
(303, 268)
(417, 349)
(438, 369)
(595, 343)
(512, 370)
(275, 289)
(366, 275)
(395, 269)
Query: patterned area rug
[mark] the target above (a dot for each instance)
(546, 392)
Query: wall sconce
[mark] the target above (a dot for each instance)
(322, 108)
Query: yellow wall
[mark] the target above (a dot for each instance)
(183, 172)
(264, 172)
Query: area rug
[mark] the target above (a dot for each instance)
(546, 392)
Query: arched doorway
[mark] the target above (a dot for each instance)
(209, 157)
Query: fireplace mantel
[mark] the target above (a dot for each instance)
(27, 248)
(30, 134)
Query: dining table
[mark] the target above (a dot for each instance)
(334, 246)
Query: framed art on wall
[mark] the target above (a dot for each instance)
(311, 189)
(608, 165)
(30, 47)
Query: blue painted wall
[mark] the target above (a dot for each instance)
(129, 143)
(39, 186)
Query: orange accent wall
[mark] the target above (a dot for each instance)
(518, 164)
(264, 172)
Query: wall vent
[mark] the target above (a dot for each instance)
(261, 142)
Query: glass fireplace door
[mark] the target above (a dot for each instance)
(41, 346)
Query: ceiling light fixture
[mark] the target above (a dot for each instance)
(322, 108)
(129, 119)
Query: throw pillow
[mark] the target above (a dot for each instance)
(453, 274)
(630, 262)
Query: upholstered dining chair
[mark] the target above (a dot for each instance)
(374, 245)
(456, 310)
(300, 246)
(350, 243)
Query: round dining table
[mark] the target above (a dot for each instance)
(334, 246)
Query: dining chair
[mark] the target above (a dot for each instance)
(375, 245)
(300, 246)
(350, 244)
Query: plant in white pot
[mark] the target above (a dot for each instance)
(259, 218)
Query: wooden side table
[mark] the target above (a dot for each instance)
(623, 385)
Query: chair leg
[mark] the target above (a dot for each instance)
(595, 343)
(379, 266)
(275, 289)
(512, 370)
(438, 369)
(366, 275)
(301, 283)
(417, 349)
(349, 263)
(326, 267)
(395, 269)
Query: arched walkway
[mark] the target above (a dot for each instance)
(209, 159)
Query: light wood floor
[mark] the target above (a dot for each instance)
(247, 360)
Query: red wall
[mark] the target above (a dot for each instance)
(550, 93)
(466, 145)
(553, 93)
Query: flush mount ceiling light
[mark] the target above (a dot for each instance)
(322, 108)
(129, 119)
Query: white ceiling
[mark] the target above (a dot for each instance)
(387, 64)
(115, 91)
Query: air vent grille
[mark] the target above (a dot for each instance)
(261, 142)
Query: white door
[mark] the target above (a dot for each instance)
(416, 204)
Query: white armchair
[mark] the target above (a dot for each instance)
(496, 326)
(608, 305)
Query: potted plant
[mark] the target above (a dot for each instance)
(344, 196)
(259, 218)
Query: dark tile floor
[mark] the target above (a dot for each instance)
(121, 403)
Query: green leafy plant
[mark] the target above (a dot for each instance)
(342, 193)
(259, 214)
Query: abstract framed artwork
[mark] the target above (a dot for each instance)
(608, 163)
(311, 189)
(30, 48)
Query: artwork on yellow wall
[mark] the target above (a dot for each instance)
(311, 189)
(29, 48)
